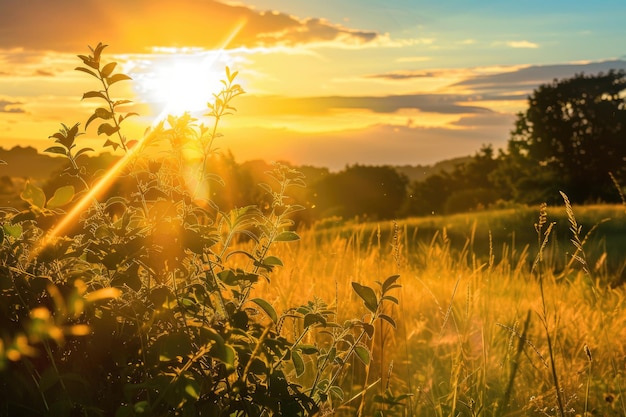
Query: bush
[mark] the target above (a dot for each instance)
(142, 302)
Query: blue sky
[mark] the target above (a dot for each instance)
(328, 83)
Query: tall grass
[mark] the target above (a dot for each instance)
(478, 333)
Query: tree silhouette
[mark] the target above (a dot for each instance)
(570, 137)
(375, 192)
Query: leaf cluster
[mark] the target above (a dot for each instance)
(143, 302)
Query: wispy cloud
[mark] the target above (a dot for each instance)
(530, 77)
(434, 103)
(409, 59)
(150, 23)
(522, 44)
(10, 107)
(404, 75)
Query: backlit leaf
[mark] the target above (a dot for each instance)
(388, 319)
(94, 94)
(311, 319)
(108, 69)
(286, 236)
(88, 71)
(33, 195)
(362, 353)
(298, 362)
(272, 261)
(367, 295)
(56, 149)
(267, 307)
(390, 282)
(61, 197)
(117, 77)
(107, 129)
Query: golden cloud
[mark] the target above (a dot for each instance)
(138, 26)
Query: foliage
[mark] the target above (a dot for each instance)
(471, 337)
(573, 130)
(144, 301)
(469, 186)
(367, 191)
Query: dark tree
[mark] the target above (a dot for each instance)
(570, 137)
(467, 187)
(375, 192)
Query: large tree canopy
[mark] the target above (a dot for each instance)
(571, 136)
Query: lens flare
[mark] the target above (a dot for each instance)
(103, 184)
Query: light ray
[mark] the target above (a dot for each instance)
(104, 183)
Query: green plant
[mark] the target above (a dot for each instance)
(144, 302)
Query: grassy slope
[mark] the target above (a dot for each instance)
(462, 314)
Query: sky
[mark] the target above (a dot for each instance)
(328, 83)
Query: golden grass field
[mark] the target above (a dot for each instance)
(474, 334)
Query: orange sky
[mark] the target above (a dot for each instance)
(328, 83)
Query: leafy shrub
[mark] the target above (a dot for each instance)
(142, 302)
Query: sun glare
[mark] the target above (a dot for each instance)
(181, 83)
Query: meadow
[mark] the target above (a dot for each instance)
(479, 330)
(154, 301)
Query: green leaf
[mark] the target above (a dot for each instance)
(13, 230)
(388, 319)
(109, 142)
(117, 77)
(368, 329)
(298, 362)
(192, 388)
(267, 307)
(272, 261)
(389, 282)
(308, 349)
(120, 102)
(219, 349)
(33, 195)
(311, 318)
(108, 69)
(173, 345)
(362, 353)
(107, 129)
(61, 197)
(390, 298)
(286, 236)
(95, 94)
(103, 113)
(56, 149)
(87, 70)
(336, 392)
(367, 295)
(23, 216)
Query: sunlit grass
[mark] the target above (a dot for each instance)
(462, 315)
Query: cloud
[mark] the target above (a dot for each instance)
(434, 103)
(502, 84)
(137, 26)
(522, 44)
(403, 75)
(10, 107)
(413, 59)
(377, 144)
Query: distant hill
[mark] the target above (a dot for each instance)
(28, 163)
(421, 172)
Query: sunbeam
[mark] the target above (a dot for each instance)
(103, 184)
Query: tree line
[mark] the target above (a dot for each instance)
(570, 138)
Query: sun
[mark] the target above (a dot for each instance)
(179, 83)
